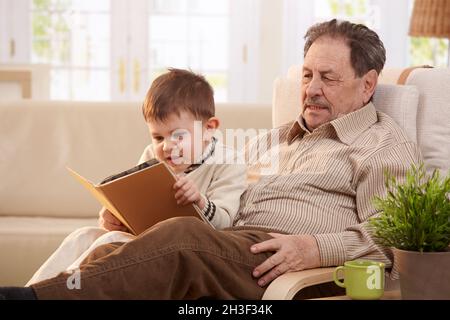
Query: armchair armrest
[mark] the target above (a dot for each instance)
(286, 286)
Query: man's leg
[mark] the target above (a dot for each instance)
(109, 237)
(180, 258)
(70, 249)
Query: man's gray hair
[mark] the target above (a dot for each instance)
(366, 49)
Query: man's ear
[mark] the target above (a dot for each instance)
(370, 80)
(211, 125)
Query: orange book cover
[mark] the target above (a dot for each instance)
(141, 196)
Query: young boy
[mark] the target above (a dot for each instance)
(180, 114)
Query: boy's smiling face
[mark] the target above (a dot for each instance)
(179, 140)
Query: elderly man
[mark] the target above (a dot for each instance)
(311, 213)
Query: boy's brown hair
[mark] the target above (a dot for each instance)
(179, 90)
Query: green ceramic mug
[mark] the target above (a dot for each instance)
(363, 279)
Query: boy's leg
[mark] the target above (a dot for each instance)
(70, 249)
(180, 258)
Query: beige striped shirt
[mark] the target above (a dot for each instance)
(324, 181)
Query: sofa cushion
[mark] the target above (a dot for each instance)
(38, 141)
(25, 243)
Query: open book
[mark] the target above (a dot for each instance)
(141, 196)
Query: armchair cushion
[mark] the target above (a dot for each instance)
(433, 116)
(400, 103)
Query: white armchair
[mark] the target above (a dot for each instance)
(421, 107)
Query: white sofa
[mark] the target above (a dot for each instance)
(40, 203)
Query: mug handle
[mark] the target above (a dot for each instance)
(335, 277)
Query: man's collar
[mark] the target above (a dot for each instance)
(297, 129)
(350, 126)
(347, 128)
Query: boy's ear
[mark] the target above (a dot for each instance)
(211, 125)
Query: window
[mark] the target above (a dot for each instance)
(392, 26)
(190, 34)
(113, 49)
(428, 51)
(299, 16)
(73, 37)
(359, 11)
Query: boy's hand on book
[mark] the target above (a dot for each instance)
(109, 222)
(186, 192)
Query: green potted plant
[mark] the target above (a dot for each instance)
(414, 220)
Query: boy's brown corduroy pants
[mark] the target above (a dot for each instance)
(180, 258)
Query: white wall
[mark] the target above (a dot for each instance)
(394, 25)
(294, 30)
(271, 46)
(280, 40)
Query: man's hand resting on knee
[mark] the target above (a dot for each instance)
(292, 253)
(109, 222)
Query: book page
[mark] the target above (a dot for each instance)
(139, 167)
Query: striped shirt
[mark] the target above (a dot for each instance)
(324, 181)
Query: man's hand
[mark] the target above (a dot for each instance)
(187, 192)
(292, 253)
(109, 222)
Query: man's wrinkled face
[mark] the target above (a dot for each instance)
(330, 88)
